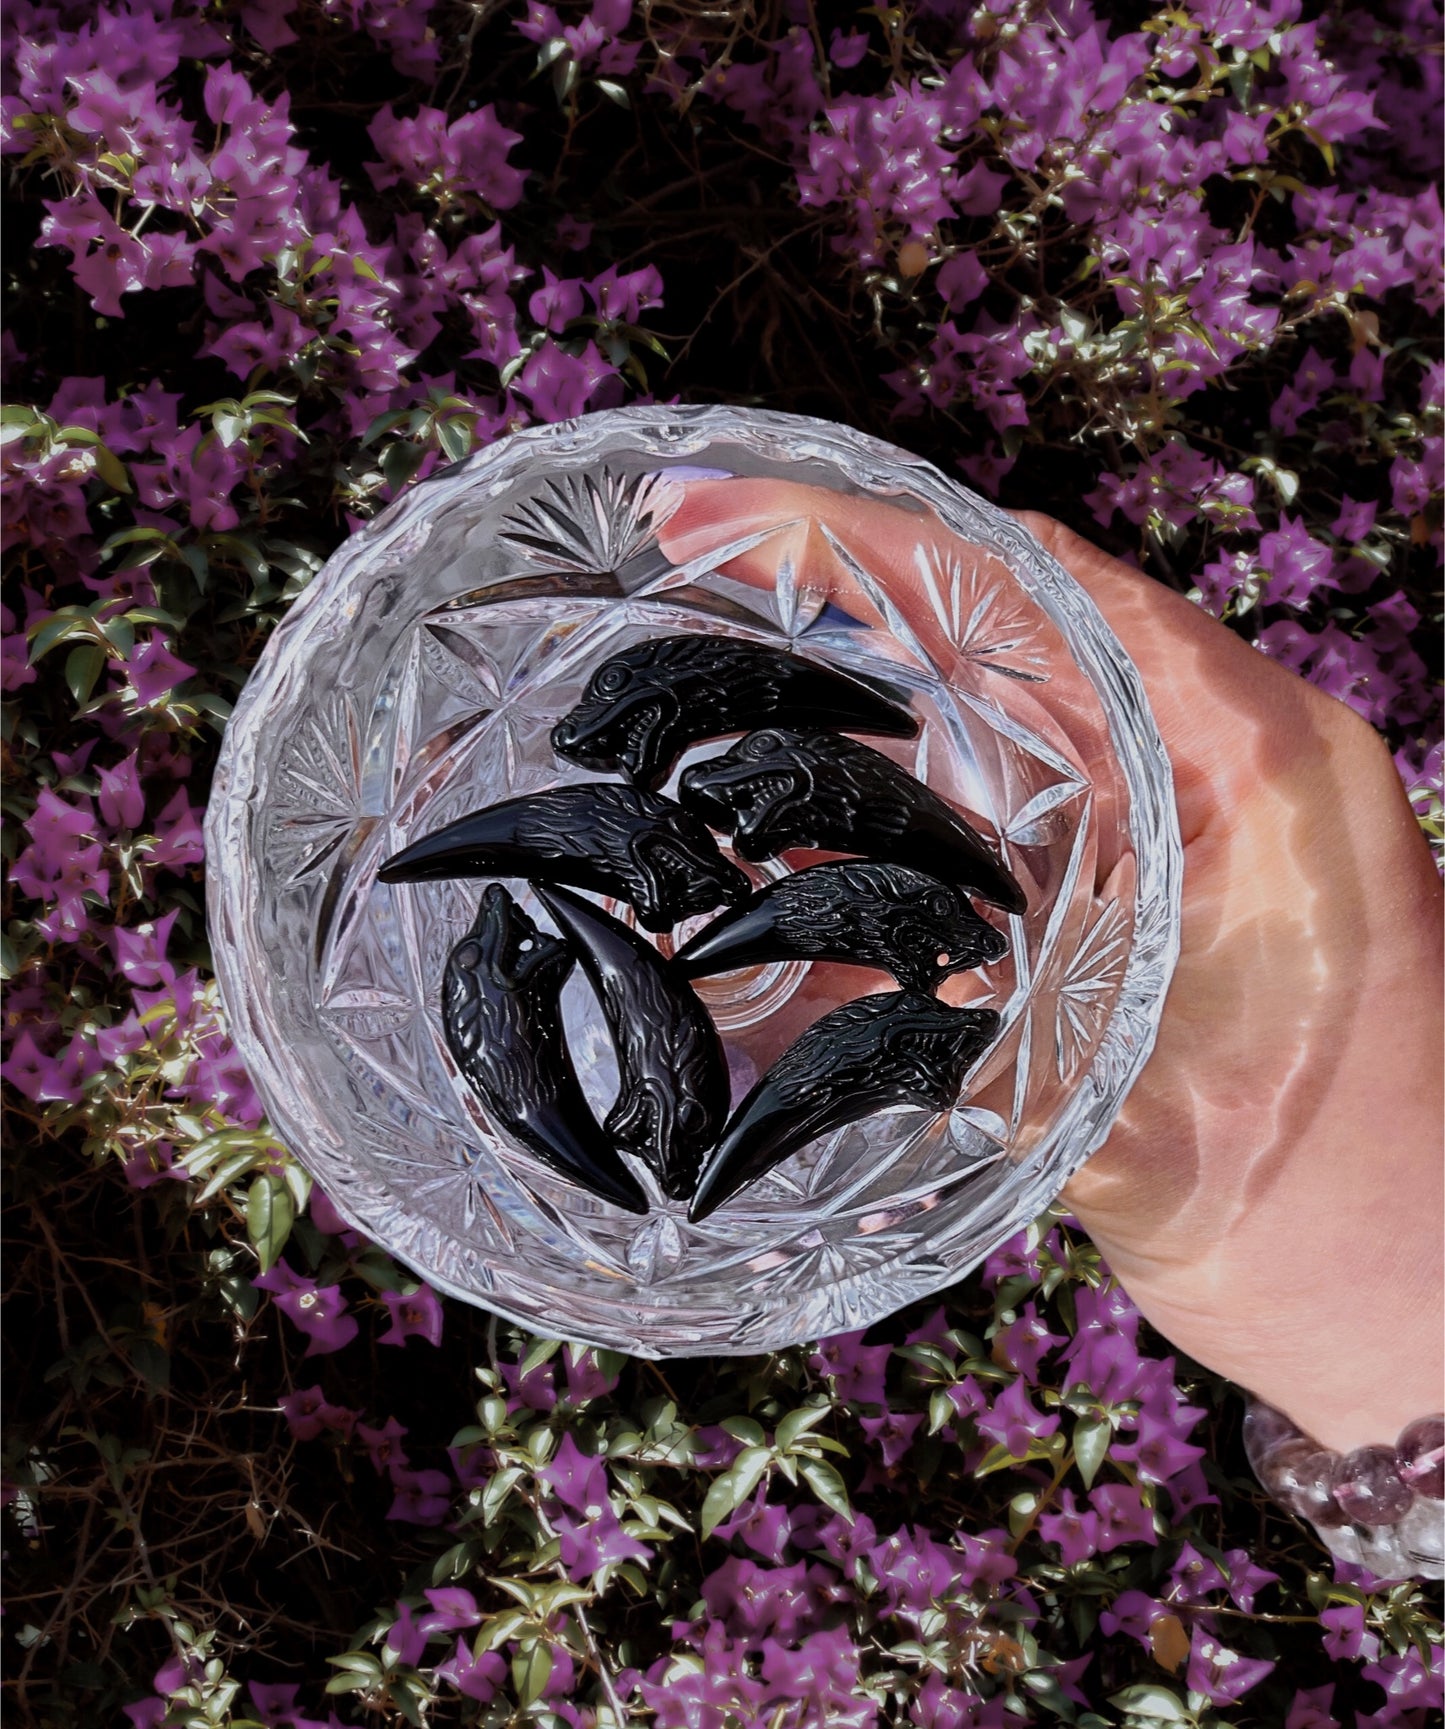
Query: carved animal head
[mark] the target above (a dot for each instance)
(505, 951)
(901, 1041)
(934, 927)
(630, 716)
(677, 870)
(765, 790)
(917, 927)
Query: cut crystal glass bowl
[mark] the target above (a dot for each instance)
(419, 678)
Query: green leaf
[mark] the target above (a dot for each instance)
(531, 1671)
(499, 1491)
(111, 469)
(614, 92)
(744, 1429)
(71, 621)
(1092, 1436)
(734, 1486)
(798, 1423)
(362, 1662)
(827, 1485)
(1152, 1701)
(455, 438)
(151, 1363)
(542, 1351)
(83, 666)
(120, 634)
(362, 268)
(399, 461)
(270, 1214)
(226, 1172)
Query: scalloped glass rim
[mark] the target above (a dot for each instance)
(237, 887)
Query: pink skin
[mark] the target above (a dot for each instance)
(1271, 1194)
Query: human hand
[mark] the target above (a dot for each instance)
(1270, 1194)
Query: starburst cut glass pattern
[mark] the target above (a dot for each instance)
(419, 679)
(591, 524)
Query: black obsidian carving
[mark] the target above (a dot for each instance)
(673, 1098)
(503, 1024)
(855, 912)
(644, 849)
(898, 1048)
(780, 788)
(644, 707)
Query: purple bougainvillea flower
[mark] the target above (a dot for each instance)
(761, 1603)
(766, 1527)
(914, 1571)
(384, 1444)
(1246, 1580)
(414, 1315)
(1075, 1529)
(821, 1672)
(273, 1700)
(586, 1379)
(856, 1370)
(474, 1677)
(1193, 1577)
(309, 1414)
(122, 800)
(985, 1563)
(577, 1479)
(326, 1218)
(319, 1311)
(153, 671)
(556, 302)
(1310, 1709)
(405, 1636)
(422, 1497)
(453, 1609)
(1025, 1342)
(892, 1434)
(1158, 1453)
(1014, 1422)
(1134, 1613)
(587, 1545)
(1221, 1674)
(1346, 1636)
(1411, 1682)
(558, 384)
(140, 952)
(1123, 1517)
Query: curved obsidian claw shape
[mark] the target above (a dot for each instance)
(898, 1048)
(644, 707)
(857, 912)
(780, 788)
(503, 1022)
(673, 1098)
(641, 848)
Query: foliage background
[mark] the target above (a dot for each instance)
(1173, 273)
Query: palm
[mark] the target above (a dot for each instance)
(1238, 1179)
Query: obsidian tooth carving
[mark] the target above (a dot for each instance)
(857, 912)
(634, 845)
(781, 788)
(897, 1048)
(672, 1099)
(642, 708)
(503, 1022)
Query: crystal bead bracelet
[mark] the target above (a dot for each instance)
(1382, 1507)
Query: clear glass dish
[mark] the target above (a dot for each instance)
(419, 677)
